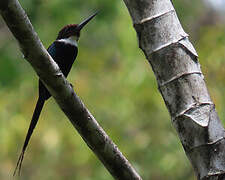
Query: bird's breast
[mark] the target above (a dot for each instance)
(66, 50)
(64, 55)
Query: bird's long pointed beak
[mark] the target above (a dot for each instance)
(83, 23)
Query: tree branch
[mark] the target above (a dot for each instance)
(33, 50)
(181, 83)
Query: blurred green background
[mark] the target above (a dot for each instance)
(115, 82)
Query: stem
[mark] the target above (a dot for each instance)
(48, 71)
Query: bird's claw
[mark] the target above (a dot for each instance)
(71, 86)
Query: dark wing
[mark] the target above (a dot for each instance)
(43, 92)
(52, 50)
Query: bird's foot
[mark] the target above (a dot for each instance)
(71, 86)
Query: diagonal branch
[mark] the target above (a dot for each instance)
(33, 50)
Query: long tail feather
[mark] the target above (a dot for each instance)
(33, 123)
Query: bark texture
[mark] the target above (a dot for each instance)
(181, 83)
(33, 50)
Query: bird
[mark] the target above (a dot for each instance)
(64, 52)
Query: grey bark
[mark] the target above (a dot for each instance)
(181, 83)
(35, 53)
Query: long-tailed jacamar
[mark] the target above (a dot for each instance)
(64, 52)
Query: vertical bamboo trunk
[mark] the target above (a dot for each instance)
(181, 83)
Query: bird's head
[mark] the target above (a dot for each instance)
(73, 30)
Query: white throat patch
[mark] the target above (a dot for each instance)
(71, 40)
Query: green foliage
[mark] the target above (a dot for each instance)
(115, 82)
